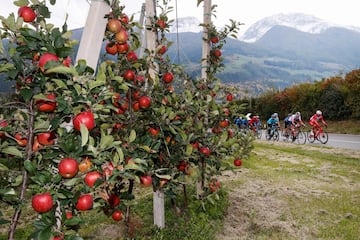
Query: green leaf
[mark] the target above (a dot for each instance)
(62, 69)
(21, 3)
(224, 137)
(7, 66)
(3, 167)
(97, 83)
(11, 150)
(60, 83)
(18, 181)
(45, 233)
(132, 136)
(26, 93)
(167, 177)
(9, 191)
(29, 166)
(189, 149)
(71, 182)
(106, 141)
(84, 134)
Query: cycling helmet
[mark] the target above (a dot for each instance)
(318, 112)
(297, 113)
(273, 116)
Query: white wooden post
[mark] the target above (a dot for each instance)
(142, 33)
(151, 37)
(204, 76)
(206, 43)
(92, 36)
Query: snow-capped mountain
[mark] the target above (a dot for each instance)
(299, 21)
(186, 24)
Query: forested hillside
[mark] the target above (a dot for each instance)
(337, 97)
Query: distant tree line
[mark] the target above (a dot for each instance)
(337, 97)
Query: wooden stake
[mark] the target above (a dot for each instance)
(206, 43)
(92, 37)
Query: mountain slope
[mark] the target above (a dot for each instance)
(298, 21)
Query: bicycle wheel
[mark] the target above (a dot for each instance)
(258, 133)
(276, 135)
(310, 136)
(301, 138)
(323, 137)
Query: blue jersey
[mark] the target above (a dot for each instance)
(272, 121)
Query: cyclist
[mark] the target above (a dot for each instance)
(271, 122)
(287, 124)
(254, 123)
(296, 121)
(315, 119)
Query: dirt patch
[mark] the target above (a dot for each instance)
(257, 209)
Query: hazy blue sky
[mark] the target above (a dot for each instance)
(248, 12)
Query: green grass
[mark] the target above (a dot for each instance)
(324, 195)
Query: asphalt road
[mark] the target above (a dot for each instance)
(346, 141)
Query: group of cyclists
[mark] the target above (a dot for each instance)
(292, 124)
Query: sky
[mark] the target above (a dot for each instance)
(344, 12)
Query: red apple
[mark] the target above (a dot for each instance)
(111, 48)
(117, 215)
(214, 39)
(168, 77)
(229, 97)
(224, 123)
(124, 18)
(20, 140)
(205, 150)
(122, 48)
(86, 118)
(45, 58)
(91, 178)
(131, 56)
(68, 215)
(195, 144)
(85, 202)
(47, 106)
(42, 202)
(46, 138)
(129, 75)
(214, 185)
(161, 23)
(122, 36)
(146, 180)
(154, 131)
(162, 50)
(3, 123)
(67, 61)
(114, 25)
(182, 165)
(27, 13)
(114, 200)
(237, 162)
(68, 167)
(144, 102)
(217, 53)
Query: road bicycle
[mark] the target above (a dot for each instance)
(296, 135)
(256, 130)
(319, 134)
(273, 133)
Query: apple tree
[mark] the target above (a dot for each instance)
(73, 139)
